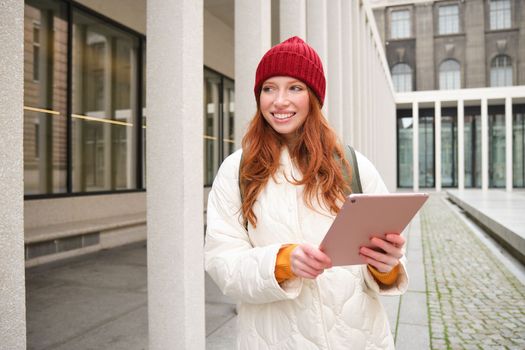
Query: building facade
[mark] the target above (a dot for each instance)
(477, 49)
(125, 110)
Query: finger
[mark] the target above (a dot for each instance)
(379, 266)
(312, 263)
(317, 255)
(396, 239)
(384, 258)
(388, 247)
(303, 270)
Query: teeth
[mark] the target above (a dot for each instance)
(283, 116)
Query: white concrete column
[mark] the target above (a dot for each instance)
(347, 74)
(317, 37)
(508, 143)
(174, 181)
(12, 274)
(461, 145)
(334, 97)
(437, 152)
(356, 75)
(484, 145)
(292, 19)
(252, 40)
(415, 144)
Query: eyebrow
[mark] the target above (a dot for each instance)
(295, 81)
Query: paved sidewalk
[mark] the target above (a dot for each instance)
(474, 302)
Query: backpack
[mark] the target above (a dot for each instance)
(355, 183)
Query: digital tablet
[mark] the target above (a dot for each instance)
(364, 216)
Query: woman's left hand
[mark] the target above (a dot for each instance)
(391, 251)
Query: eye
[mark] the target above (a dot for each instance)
(267, 89)
(296, 88)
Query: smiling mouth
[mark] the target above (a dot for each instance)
(283, 116)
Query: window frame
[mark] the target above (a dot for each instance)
(438, 17)
(510, 67)
(393, 10)
(439, 73)
(488, 17)
(72, 6)
(411, 72)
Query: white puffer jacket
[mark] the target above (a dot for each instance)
(338, 310)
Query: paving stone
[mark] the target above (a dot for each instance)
(473, 299)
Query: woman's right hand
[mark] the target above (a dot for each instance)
(308, 261)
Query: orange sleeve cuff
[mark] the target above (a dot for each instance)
(283, 267)
(387, 278)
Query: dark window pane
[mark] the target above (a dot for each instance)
(497, 171)
(405, 133)
(518, 146)
(426, 148)
(104, 106)
(45, 76)
(472, 135)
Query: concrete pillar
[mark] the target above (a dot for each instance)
(484, 145)
(174, 181)
(437, 156)
(12, 274)
(252, 40)
(292, 19)
(461, 145)
(508, 143)
(347, 73)
(334, 77)
(356, 74)
(415, 144)
(317, 37)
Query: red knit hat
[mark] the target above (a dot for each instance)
(292, 58)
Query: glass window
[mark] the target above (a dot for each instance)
(518, 146)
(448, 19)
(104, 106)
(497, 170)
(212, 87)
(472, 135)
(501, 71)
(500, 14)
(402, 77)
(426, 148)
(449, 75)
(449, 147)
(228, 107)
(405, 136)
(400, 24)
(45, 97)
(219, 127)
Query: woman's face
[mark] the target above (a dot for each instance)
(285, 104)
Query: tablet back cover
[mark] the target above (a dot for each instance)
(364, 216)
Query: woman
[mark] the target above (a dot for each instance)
(261, 244)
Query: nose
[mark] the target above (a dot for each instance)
(281, 98)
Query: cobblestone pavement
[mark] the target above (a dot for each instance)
(473, 301)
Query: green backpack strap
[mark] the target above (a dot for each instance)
(355, 183)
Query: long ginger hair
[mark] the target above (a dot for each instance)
(316, 152)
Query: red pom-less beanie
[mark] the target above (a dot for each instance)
(292, 58)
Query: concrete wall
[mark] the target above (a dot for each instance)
(131, 13)
(218, 45)
(42, 212)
